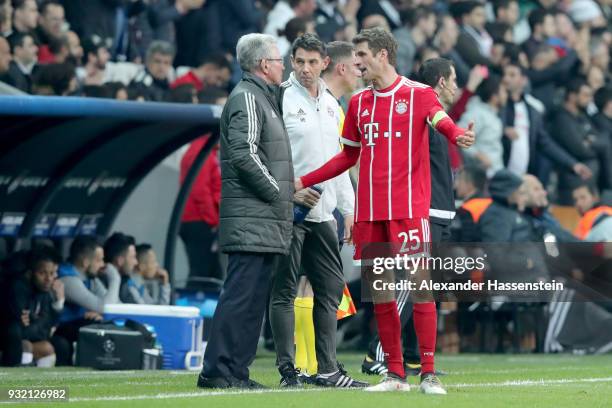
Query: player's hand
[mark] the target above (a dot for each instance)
(58, 289)
(25, 318)
(298, 184)
(583, 171)
(95, 316)
(468, 138)
(307, 197)
(349, 222)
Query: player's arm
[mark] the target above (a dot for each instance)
(440, 121)
(343, 160)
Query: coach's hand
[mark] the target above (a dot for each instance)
(307, 197)
(467, 139)
(297, 183)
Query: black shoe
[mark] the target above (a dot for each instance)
(340, 379)
(290, 376)
(307, 379)
(247, 384)
(214, 382)
(373, 367)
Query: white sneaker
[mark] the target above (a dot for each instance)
(430, 384)
(390, 382)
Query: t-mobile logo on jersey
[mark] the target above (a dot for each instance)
(371, 133)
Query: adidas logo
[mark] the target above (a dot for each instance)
(301, 112)
(365, 113)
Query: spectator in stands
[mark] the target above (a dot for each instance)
(603, 118)
(85, 293)
(58, 50)
(470, 185)
(280, 15)
(336, 20)
(185, 93)
(595, 222)
(543, 28)
(213, 70)
(5, 57)
(418, 30)
(508, 12)
(54, 79)
(35, 301)
(6, 17)
(376, 20)
(526, 140)
(199, 33)
(155, 78)
(483, 110)
(75, 50)
(24, 52)
(446, 40)
(537, 212)
(98, 68)
(499, 32)
(117, 90)
(576, 133)
(25, 17)
(238, 17)
(148, 284)
(474, 43)
(51, 24)
(378, 13)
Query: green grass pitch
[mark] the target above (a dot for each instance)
(522, 381)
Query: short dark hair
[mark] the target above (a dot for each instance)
(591, 187)
(57, 43)
(337, 50)
(498, 30)
(42, 9)
(18, 40)
(56, 76)
(309, 42)
(142, 249)
(602, 97)
(378, 39)
(294, 28)
(115, 246)
(42, 253)
(512, 62)
(488, 88)
(433, 69)
(96, 91)
(114, 87)
(418, 14)
(574, 86)
(91, 45)
(217, 59)
(537, 17)
(17, 4)
(476, 175)
(501, 4)
(83, 246)
(181, 94)
(210, 94)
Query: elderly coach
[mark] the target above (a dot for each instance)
(256, 211)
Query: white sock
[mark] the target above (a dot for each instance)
(26, 357)
(47, 361)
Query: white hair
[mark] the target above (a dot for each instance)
(252, 48)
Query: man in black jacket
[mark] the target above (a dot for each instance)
(526, 142)
(33, 306)
(256, 214)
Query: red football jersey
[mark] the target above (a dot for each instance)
(391, 127)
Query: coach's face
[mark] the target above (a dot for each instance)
(307, 66)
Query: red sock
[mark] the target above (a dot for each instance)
(389, 332)
(426, 326)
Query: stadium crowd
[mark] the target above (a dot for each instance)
(534, 77)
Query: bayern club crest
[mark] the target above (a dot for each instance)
(401, 107)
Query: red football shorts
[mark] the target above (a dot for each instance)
(387, 238)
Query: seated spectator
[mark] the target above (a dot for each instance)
(117, 90)
(155, 78)
(508, 12)
(446, 40)
(280, 15)
(33, 305)
(25, 17)
(75, 50)
(6, 17)
(499, 32)
(213, 96)
(375, 13)
(185, 93)
(85, 293)
(577, 135)
(470, 185)
(25, 57)
(59, 50)
(95, 91)
(483, 110)
(474, 43)
(51, 24)
(526, 140)
(5, 57)
(54, 79)
(149, 284)
(595, 222)
(214, 70)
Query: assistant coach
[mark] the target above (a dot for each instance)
(256, 211)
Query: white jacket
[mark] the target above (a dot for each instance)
(313, 125)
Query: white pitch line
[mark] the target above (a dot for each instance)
(517, 383)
